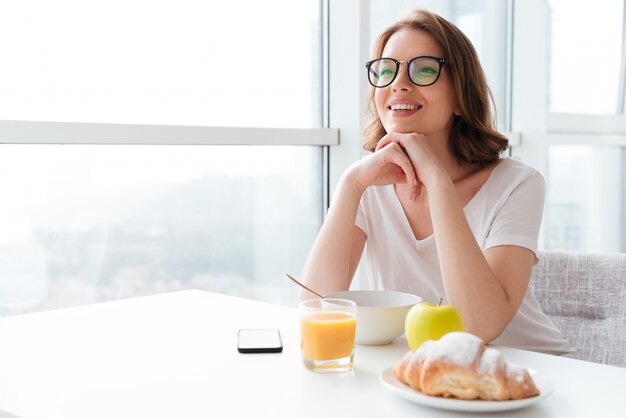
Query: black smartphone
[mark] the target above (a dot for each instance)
(259, 341)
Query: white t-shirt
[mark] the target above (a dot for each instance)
(507, 210)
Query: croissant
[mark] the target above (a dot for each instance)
(459, 365)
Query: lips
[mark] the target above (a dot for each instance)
(404, 106)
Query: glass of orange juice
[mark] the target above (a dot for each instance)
(327, 330)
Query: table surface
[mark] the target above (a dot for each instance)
(174, 355)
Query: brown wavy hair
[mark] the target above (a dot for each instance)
(473, 137)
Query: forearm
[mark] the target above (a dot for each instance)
(328, 266)
(468, 279)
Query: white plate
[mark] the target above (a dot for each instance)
(544, 384)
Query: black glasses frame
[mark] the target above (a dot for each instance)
(440, 61)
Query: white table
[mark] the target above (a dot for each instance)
(175, 356)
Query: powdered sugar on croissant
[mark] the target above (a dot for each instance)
(459, 365)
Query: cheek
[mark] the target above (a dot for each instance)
(454, 101)
(447, 101)
(379, 101)
(454, 104)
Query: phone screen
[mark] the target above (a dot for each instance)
(259, 341)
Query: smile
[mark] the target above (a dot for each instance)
(404, 107)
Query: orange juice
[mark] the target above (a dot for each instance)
(327, 335)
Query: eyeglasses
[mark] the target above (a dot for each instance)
(422, 71)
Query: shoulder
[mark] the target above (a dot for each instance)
(513, 177)
(516, 165)
(512, 172)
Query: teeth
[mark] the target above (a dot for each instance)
(403, 106)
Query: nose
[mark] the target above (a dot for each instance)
(402, 82)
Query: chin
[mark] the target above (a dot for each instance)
(402, 128)
(408, 131)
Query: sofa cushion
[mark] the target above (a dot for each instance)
(584, 294)
(597, 340)
(576, 285)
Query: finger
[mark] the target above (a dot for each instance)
(398, 157)
(392, 137)
(418, 191)
(384, 141)
(411, 174)
(387, 140)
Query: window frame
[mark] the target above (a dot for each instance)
(67, 132)
(74, 133)
(540, 129)
(36, 132)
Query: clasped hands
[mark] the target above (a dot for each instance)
(399, 158)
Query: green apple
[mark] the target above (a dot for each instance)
(426, 321)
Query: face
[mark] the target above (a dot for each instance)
(404, 107)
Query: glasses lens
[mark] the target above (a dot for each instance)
(424, 71)
(382, 72)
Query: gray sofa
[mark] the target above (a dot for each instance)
(585, 296)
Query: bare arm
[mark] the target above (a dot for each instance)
(488, 287)
(339, 244)
(338, 247)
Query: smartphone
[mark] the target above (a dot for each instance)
(259, 341)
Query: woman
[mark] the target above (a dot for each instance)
(442, 214)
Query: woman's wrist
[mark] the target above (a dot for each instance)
(352, 179)
(436, 178)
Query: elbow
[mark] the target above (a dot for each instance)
(487, 328)
(487, 334)
(489, 324)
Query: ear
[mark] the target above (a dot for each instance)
(457, 110)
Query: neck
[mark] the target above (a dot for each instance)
(441, 145)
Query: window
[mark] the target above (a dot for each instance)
(585, 125)
(585, 56)
(583, 202)
(187, 62)
(226, 191)
(100, 222)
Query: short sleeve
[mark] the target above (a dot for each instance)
(518, 220)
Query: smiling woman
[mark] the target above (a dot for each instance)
(442, 214)
(466, 95)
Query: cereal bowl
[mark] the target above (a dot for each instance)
(380, 314)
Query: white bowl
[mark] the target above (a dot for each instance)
(380, 314)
